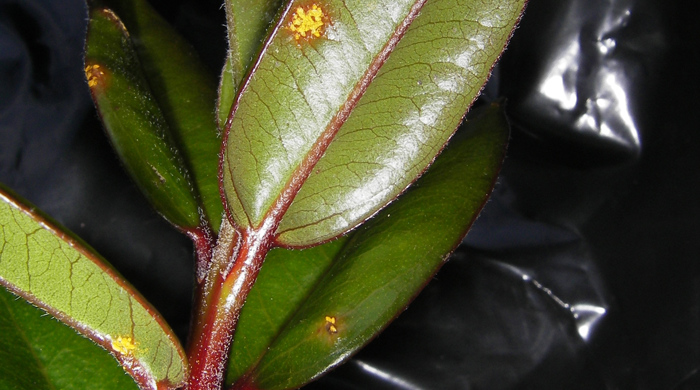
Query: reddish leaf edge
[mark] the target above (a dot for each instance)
(285, 199)
(247, 380)
(202, 236)
(245, 259)
(276, 212)
(138, 372)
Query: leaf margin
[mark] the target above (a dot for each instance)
(141, 372)
(248, 379)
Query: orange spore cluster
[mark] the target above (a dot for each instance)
(307, 22)
(94, 74)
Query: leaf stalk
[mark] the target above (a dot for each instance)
(235, 264)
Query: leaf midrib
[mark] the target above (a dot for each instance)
(298, 177)
(249, 373)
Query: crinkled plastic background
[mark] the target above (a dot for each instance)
(581, 273)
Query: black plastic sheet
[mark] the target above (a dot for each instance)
(581, 273)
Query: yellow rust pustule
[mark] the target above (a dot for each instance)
(331, 325)
(308, 22)
(94, 74)
(124, 345)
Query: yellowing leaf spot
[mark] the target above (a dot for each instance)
(307, 22)
(330, 325)
(124, 345)
(94, 74)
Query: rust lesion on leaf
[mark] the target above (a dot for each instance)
(96, 75)
(308, 22)
(331, 325)
(124, 345)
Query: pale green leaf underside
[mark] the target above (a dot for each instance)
(401, 121)
(39, 353)
(56, 272)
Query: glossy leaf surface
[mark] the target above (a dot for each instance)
(349, 103)
(283, 284)
(247, 22)
(156, 100)
(60, 274)
(39, 353)
(311, 309)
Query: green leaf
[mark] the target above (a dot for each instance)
(58, 273)
(311, 309)
(282, 285)
(185, 91)
(39, 353)
(156, 100)
(327, 130)
(247, 22)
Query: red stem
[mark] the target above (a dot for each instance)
(237, 259)
(204, 244)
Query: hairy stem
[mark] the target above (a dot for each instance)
(234, 267)
(203, 240)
